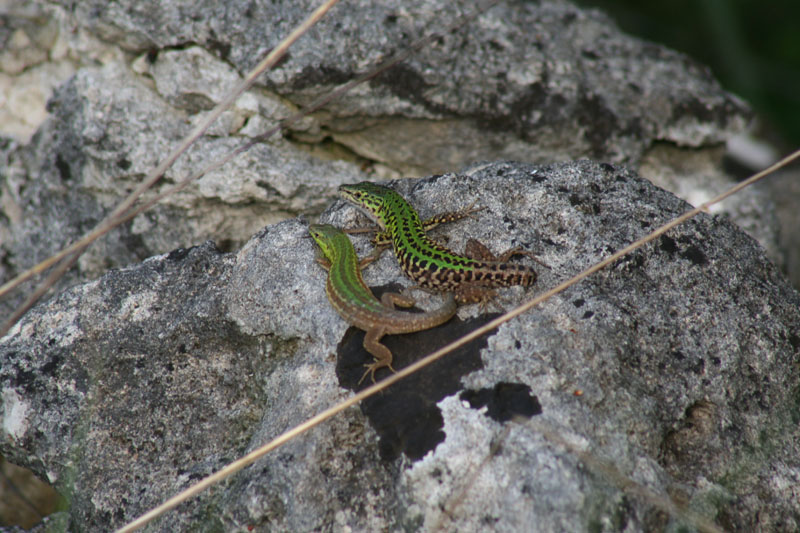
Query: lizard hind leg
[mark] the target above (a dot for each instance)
(392, 299)
(382, 354)
(475, 249)
(471, 294)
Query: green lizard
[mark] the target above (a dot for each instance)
(427, 262)
(354, 301)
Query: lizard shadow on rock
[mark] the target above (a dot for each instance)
(406, 416)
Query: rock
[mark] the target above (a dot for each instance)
(136, 382)
(39, 50)
(533, 82)
(525, 81)
(697, 176)
(127, 389)
(109, 129)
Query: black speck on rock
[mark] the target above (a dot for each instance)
(504, 401)
(668, 244)
(695, 255)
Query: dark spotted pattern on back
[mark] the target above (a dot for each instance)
(460, 270)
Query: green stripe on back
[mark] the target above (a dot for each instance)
(422, 259)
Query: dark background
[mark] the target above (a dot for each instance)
(752, 48)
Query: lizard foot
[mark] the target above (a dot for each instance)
(372, 367)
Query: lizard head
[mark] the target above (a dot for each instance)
(371, 198)
(328, 238)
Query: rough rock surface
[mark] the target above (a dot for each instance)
(124, 390)
(524, 76)
(536, 82)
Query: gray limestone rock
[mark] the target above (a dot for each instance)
(535, 82)
(529, 81)
(107, 131)
(148, 374)
(127, 389)
(697, 176)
